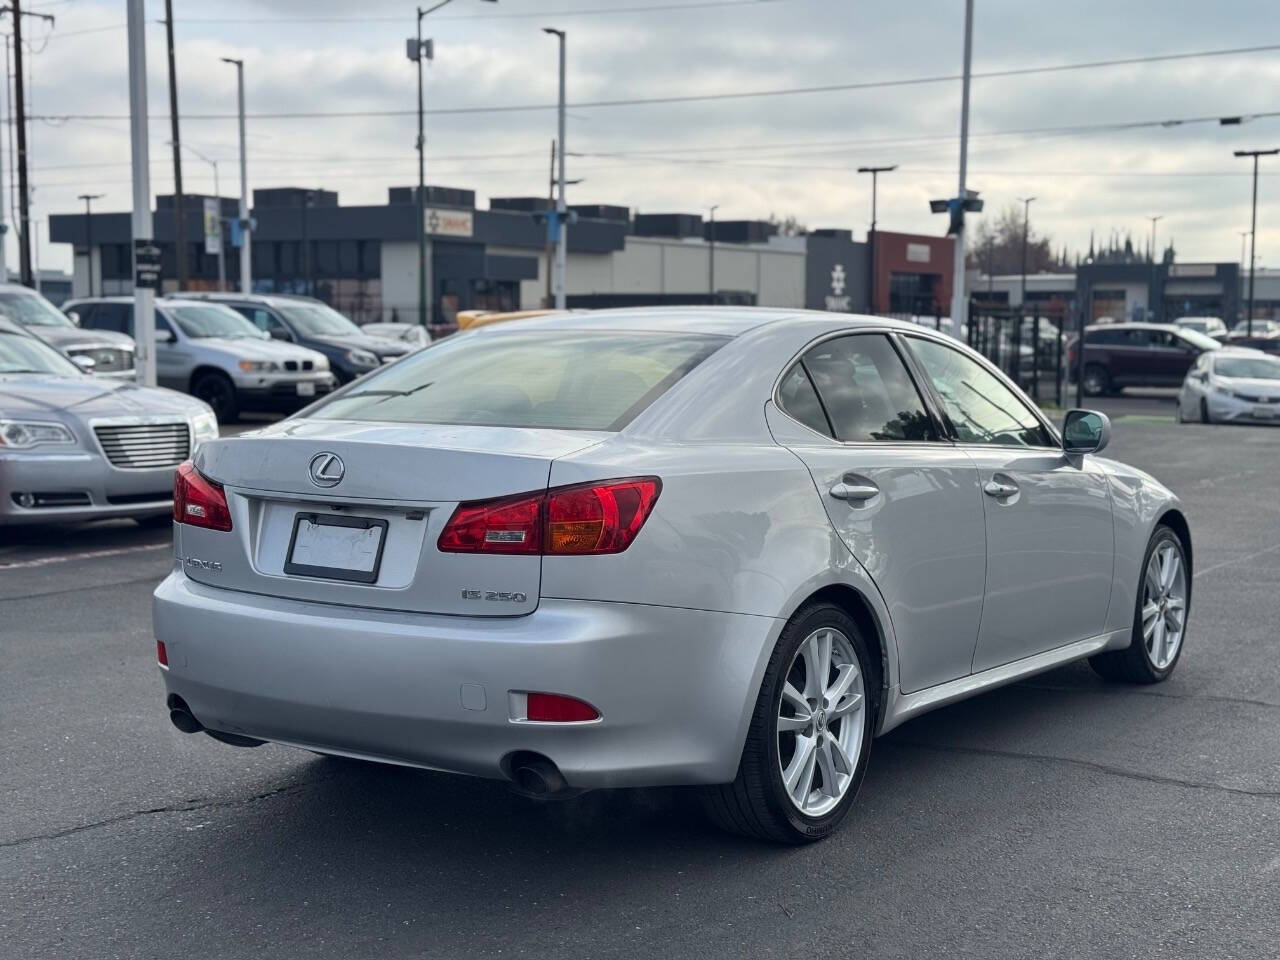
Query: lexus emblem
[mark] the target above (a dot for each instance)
(327, 469)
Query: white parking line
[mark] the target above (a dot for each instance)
(1227, 563)
(85, 555)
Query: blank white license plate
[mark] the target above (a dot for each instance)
(336, 547)
(1262, 413)
(306, 389)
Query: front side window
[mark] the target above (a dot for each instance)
(562, 379)
(981, 408)
(866, 390)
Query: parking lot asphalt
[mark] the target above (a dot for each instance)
(1059, 817)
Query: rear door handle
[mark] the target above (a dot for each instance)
(854, 491)
(994, 488)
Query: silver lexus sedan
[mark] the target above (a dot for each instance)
(75, 447)
(720, 547)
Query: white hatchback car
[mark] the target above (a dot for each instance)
(722, 547)
(1231, 385)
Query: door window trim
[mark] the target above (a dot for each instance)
(939, 426)
(1055, 440)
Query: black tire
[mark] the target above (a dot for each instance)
(216, 389)
(1097, 380)
(1133, 664)
(756, 804)
(1204, 411)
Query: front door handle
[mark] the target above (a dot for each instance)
(994, 488)
(854, 491)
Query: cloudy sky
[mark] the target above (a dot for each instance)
(1053, 135)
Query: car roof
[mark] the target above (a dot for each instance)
(718, 321)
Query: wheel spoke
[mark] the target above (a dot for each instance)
(827, 764)
(1171, 565)
(1172, 620)
(1153, 578)
(817, 664)
(794, 699)
(798, 777)
(792, 724)
(1157, 642)
(846, 676)
(841, 758)
(1150, 612)
(850, 704)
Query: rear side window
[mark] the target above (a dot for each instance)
(555, 379)
(798, 398)
(866, 390)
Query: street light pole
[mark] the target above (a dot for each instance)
(418, 50)
(561, 207)
(88, 199)
(871, 235)
(959, 302)
(1253, 228)
(144, 305)
(711, 254)
(1151, 295)
(246, 232)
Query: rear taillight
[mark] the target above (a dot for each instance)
(588, 518)
(199, 501)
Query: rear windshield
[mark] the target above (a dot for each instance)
(563, 379)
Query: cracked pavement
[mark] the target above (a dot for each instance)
(1059, 817)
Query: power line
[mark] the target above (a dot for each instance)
(703, 97)
(576, 12)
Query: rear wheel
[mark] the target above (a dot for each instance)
(216, 389)
(810, 736)
(1160, 616)
(1096, 380)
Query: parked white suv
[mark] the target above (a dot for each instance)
(214, 353)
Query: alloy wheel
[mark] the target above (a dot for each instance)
(1164, 604)
(821, 715)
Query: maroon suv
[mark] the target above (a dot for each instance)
(1119, 355)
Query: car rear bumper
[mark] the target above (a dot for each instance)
(674, 687)
(79, 486)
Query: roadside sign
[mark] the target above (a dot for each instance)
(146, 264)
(212, 227)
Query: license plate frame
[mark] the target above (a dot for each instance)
(1262, 413)
(348, 574)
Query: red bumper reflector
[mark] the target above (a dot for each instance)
(554, 708)
(162, 655)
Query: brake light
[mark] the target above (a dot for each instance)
(557, 708)
(588, 518)
(162, 655)
(199, 501)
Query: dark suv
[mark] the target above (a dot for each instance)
(1119, 355)
(315, 324)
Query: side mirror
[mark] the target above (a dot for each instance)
(163, 335)
(74, 317)
(278, 334)
(84, 363)
(1085, 431)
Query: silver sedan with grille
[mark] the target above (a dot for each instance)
(75, 447)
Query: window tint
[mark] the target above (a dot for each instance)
(981, 408)
(108, 316)
(866, 390)
(564, 379)
(1104, 336)
(797, 397)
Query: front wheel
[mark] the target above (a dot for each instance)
(1159, 619)
(216, 389)
(810, 735)
(1096, 380)
(1204, 411)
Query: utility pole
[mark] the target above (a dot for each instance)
(145, 251)
(959, 302)
(1151, 296)
(88, 199)
(561, 208)
(246, 231)
(1026, 230)
(711, 253)
(1253, 228)
(871, 234)
(179, 204)
(20, 118)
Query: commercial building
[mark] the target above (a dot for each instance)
(364, 259)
